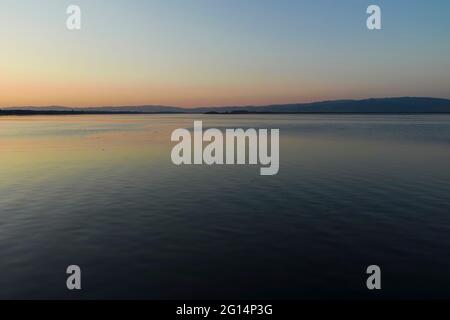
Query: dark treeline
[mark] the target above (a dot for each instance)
(400, 105)
(71, 112)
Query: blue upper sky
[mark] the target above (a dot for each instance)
(219, 52)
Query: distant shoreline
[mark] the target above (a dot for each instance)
(65, 113)
(399, 105)
(69, 113)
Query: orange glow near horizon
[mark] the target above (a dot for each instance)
(92, 93)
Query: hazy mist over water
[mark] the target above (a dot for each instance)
(101, 192)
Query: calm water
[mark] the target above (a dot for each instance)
(101, 192)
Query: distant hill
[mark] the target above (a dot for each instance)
(382, 105)
(128, 109)
(379, 105)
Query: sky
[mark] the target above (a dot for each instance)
(193, 53)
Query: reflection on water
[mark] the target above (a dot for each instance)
(101, 192)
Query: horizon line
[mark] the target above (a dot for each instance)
(223, 106)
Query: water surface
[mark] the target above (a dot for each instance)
(101, 192)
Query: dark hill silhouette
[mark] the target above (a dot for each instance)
(379, 105)
(382, 105)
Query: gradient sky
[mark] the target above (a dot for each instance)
(220, 52)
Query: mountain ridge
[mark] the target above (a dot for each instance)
(370, 105)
